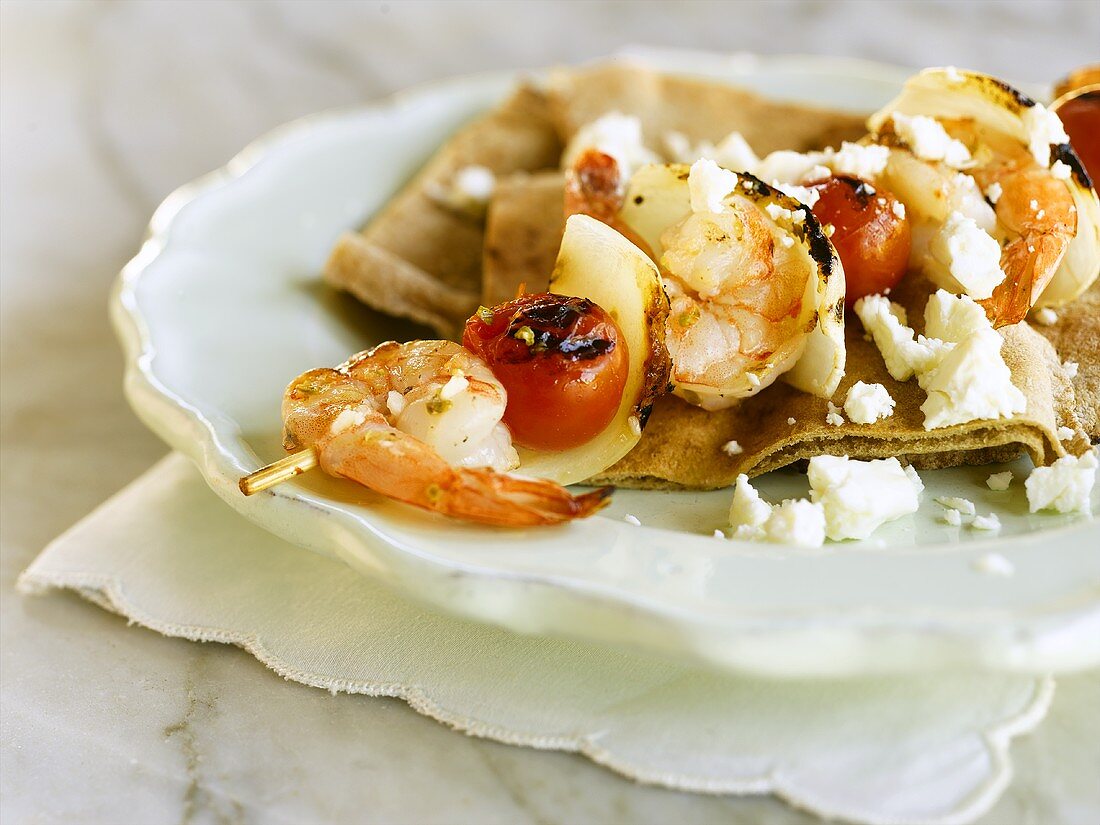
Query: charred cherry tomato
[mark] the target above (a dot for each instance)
(1081, 117)
(563, 361)
(872, 240)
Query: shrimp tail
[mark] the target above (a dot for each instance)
(402, 467)
(594, 186)
(1029, 263)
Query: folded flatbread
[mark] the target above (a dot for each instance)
(682, 445)
(420, 258)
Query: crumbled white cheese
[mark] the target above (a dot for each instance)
(963, 257)
(1039, 215)
(747, 508)
(951, 517)
(718, 534)
(395, 402)
(635, 424)
(732, 448)
(475, 183)
(963, 505)
(791, 421)
(469, 191)
(708, 186)
(802, 194)
(953, 74)
(858, 496)
(994, 192)
(1065, 433)
(1044, 128)
(1046, 317)
(629, 519)
(746, 532)
(867, 403)
(833, 417)
(898, 209)
(1064, 486)
(346, 420)
(999, 481)
(798, 522)
(990, 522)
(778, 213)
(965, 378)
(1060, 170)
(953, 318)
(859, 161)
(928, 140)
(903, 352)
(790, 167)
(787, 241)
(914, 479)
(994, 564)
(732, 152)
(614, 134)
(971, 382)
(1070, 368)
(456, 385)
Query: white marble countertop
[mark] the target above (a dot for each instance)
(104, 109)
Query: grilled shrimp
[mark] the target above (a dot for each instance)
(746, 269)
(966, 148)
(420, 422)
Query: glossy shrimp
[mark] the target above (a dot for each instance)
(736, 262)
(420, 422)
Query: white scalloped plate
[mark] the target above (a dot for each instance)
(223, 306)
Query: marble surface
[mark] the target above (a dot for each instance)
(104, 109)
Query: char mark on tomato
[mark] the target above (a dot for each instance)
(554, 330)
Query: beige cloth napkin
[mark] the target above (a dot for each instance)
(167, 554)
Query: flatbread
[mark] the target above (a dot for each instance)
(699, 108)
(1076, 338)
(419, 258)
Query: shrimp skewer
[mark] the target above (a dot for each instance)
(420, 422)
(752, 282)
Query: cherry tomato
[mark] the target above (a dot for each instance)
(1081, 117)
(563, 361)
(872, 240)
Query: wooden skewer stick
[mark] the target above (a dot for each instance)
(278, 471)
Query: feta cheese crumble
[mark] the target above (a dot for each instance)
(1065, 433)
(994, 192)
(791, 421)
(732, 448)
(988, 523)
(629, 519)
(1070, 368)
(346, 420)
(867, 403)
(732, 152)
(833, 417)
(963, 505)
(709, 185)
(802, 194)
(747, 508)
(952, 518)
(1046, 317)
(857, 160)
(1043, 128)
(994, 564)
(1064, 486)
(614, 134)
(859, 496)
(455, 386)
(999, 481)
(898, 208)
(963, 373)
(963, 257)
(1060, 170)
(928, 140)
(469, 191)
(798, 522)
